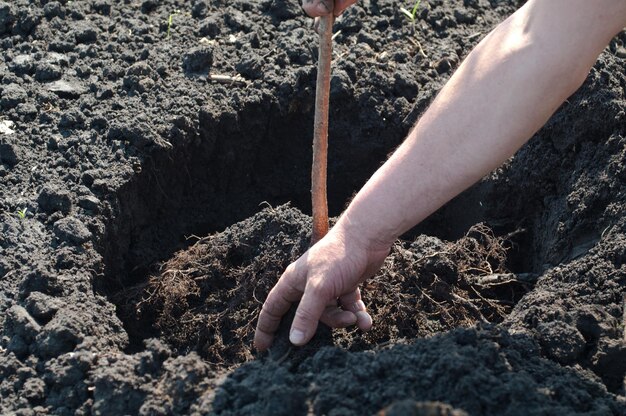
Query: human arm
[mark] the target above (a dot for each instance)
(316, 8)
(503, 92)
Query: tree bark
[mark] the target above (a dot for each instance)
(320, 131)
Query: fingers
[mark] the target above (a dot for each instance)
(335, 317)
(352, 302)
(352, 311)
(310, 310)
(316, 8)
(288, 290)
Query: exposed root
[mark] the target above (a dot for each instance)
(207, 298)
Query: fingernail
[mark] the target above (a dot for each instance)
(359, 306)
(364, 320)
(296, 336)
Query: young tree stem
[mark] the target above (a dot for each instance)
(320, 131)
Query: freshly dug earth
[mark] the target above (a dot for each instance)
(207, 298)
(118, 146)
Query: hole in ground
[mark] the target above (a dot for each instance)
(238, 161)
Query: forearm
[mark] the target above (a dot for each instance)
(499, 97)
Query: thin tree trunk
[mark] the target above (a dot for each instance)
(320, 131)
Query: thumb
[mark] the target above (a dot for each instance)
(308, 314)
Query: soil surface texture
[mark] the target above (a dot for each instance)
(154, 184)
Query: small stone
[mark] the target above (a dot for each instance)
(66, 89)
(71, 229)
(52, 199)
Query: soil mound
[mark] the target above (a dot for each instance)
(206, 299)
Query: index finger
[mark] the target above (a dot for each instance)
(288, 289)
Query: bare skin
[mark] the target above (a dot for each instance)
(503, 92)
(316, 8)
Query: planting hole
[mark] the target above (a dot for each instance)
(206, 298)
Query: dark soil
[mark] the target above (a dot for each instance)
(207, 298)
(125, 153)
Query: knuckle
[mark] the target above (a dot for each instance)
(270, 310)
(304, 315)
(266, 326)
(319, 288)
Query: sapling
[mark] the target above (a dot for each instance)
(320, 131)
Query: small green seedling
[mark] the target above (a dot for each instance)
(411, 14)
(22, 213)
(169, 22)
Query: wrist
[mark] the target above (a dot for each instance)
(364, 232)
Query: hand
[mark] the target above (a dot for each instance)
(316, 8)
(325, 280)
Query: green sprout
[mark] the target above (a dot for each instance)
(169, 22)
(22, 213)
(411, 14)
